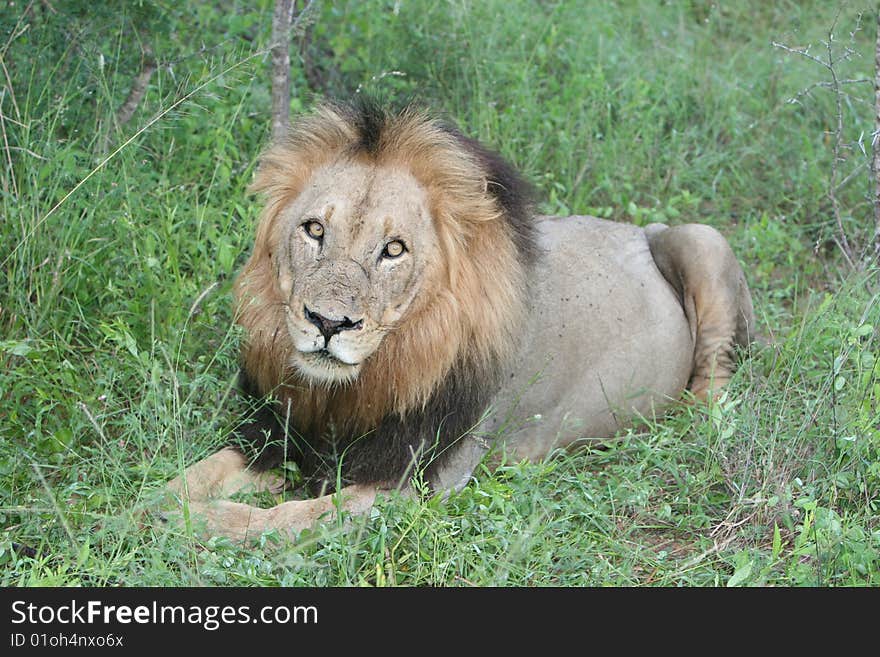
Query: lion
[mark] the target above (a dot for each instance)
(407, 313)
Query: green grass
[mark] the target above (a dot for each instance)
(117, 351)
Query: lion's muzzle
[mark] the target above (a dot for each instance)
(330, 327)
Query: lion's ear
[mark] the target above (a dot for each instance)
(260, 179)
(276, 173)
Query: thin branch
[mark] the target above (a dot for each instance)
(197, 304)
(62, 518)
(14, 33)
(203, 50)
(138, 89)
(803, 52)
(93, 421)
(3, 118)
(826, 85)
(304, 13)
(833, 56)
(11, 92)
(133, 100)
(838, 143)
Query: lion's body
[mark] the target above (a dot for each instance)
(405, 311)
(597, 297)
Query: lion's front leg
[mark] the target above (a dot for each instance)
(243, 522)
(220, 475)
(205, 487)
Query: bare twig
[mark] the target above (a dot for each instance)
(716, 547)
(838, 144)
(138, 89)
(826, 85)
(62, 518)
(381, 76)
(133, 100)
(855, 173)
(11, 91)
(93, 421)
(833, 55)
(803, 52)
(15, 32)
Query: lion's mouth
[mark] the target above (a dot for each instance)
(324, 356)
(323, 366)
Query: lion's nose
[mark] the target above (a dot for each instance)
(330, 327)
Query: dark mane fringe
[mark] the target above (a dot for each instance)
(513, 192)
(398, 448)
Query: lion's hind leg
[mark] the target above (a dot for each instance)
(699, 263)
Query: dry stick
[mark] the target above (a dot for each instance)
(823, 83)
(138, 89)
(281, 67)
(135, 96)
(875, 145)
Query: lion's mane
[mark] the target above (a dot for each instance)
(433, 375)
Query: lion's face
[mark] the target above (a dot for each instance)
(391, 255)
(354, 249)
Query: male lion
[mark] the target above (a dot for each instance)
(404, 311)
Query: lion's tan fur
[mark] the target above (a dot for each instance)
(471, 310)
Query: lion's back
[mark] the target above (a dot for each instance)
(607, 339)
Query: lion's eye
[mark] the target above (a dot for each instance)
(394, 249)
(314, 229)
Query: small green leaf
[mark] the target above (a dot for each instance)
(777, 541)
(741, 573)
(16, 348)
